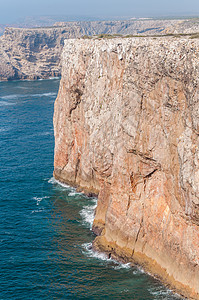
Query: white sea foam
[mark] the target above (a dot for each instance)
(74, 193)
(55, 181)
(161, 293)
(5, 103)
(122, 266)
(16, 96)
(89, 252)
(52, 78)
(39, 199)
(44, 95)
(8, 97)
(138, 271)
(88, 213)
(42, 133)
(36, 211)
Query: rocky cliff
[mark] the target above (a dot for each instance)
(126, 124)
(32, 53)
(35, 53)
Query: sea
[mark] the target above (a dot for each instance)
(45, 226)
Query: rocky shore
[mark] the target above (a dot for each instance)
(126, 124)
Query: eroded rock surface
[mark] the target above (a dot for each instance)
(35, 53)
(126, 126)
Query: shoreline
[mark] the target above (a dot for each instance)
(38, 79)
(149, 266)
(126, 125)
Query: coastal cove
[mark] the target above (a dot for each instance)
(45, 228)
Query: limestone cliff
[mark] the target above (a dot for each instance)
(126, 124)
(32, 53)
(35, 53)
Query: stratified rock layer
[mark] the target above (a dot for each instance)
(126, 126)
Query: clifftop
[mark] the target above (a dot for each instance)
(36, 53)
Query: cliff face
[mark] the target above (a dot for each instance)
(35, 53)
(32, 53)
(126, 127)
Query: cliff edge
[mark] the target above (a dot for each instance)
(33, 53)
(126, 124)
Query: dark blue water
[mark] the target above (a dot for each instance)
(45, 231)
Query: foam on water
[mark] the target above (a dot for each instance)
(4, 103)
(74, 193)
(138, 270)
(122, 266)
(52, 78)
(36, 211)
(39, 199)
(89, 252)
(52, 180)
(17, 96)
(8, 97)
(163, 294)
(44, 95)
(42, 133)
(88, 213)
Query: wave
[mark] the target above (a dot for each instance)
(4, 103)
(42, 133)
(16, 96)
(88, 251)
(36, 211)
(43, 95)
(24, 80)
(74, 193)
(122, 266)
(53, 78)
(8, 97)
(39, 199)
(55, 181)
(50, 78)
(88, 213)
(163, 294)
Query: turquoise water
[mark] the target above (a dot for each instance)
(45, 236)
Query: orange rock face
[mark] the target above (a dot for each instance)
(126, 126)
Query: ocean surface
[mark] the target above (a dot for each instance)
(45, 227)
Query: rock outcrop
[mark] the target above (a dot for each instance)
(35, 53)
(126, 124)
